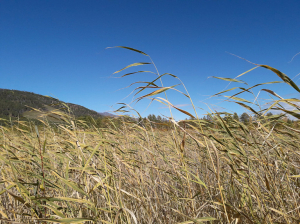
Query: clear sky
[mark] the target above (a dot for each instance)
(58, 48)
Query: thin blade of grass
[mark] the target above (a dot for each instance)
(67, 220)
(71, 184)
(247, 107)
(161, 90)
(230, 80)
(129, 48)
(238, 99)
(283, 76)
(168, 103)
(136, 73)
(132, 65)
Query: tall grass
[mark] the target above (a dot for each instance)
(217, 171)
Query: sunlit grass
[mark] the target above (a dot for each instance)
(197, 171)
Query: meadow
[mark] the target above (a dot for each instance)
(220, 170)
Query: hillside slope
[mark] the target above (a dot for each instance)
(14, 103)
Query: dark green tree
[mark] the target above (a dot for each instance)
(236, 116)
(159, 119)
(152, 117)
(244, 118)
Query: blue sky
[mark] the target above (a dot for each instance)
(58, 48)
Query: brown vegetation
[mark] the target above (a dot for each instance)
(227, 172)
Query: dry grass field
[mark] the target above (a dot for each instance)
(243, 174)
(222, 172)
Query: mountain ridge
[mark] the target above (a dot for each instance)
(15, 102)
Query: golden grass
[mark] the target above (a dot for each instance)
(226, 172)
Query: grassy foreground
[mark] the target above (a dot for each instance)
(218, 171)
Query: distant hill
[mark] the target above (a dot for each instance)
(14, 103)
(106, 114)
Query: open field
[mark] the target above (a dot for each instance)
(219, 170)
(245, 174)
